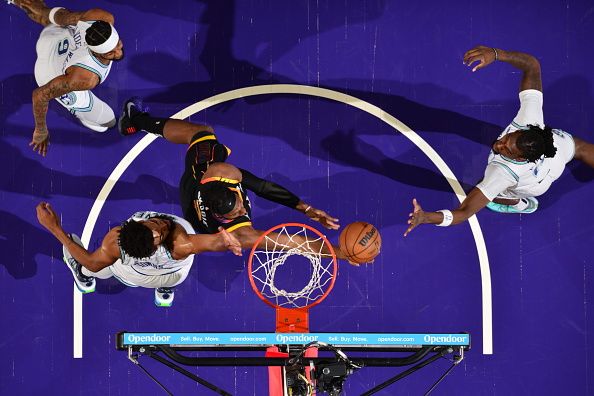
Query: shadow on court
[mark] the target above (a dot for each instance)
(24, 244)
(45, 183)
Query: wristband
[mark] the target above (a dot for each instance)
(308, 208)
(52, 13)
(448, 217)
(496, 54)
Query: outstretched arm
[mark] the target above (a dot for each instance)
(39, 12)
(474, 202)
(103, 257)
(279, 194)
(76, 79)
(248, 236)
(528, 64)
(214, 243)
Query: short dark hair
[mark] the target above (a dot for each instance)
(98, 33)
(535, 142)
(136, 239)
(218, 198)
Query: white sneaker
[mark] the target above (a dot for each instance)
(86, 284)
(532, 205)
(96, 127)
(164, 296)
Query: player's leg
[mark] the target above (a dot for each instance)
(105, 273)
(165, 293)
(505, 201)
(91, 111)
(584, 151)
(135, 118)
(99, 117)
(163, 285)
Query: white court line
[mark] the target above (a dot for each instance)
(321, 93)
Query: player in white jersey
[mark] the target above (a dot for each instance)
(150, 249)
(526, 158)
(75, 51)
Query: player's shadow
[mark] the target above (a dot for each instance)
(212, 66)
(348, 149)
(109, 286)
(221, 14)
(44, 183)
(218, 271)
(23, 244)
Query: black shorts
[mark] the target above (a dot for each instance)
(204, 149)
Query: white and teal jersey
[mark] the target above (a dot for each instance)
(507, 178)
(161, 262)
(79, 54)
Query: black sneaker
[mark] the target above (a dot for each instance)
(86, 284)
(164, 296)
(132, 107)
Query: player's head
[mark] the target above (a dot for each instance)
(224, 202)
(535, 142)
(527, 144)
(140, 239)
(103, 39)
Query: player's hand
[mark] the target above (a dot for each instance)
(323, 218)
(34, 9)
(40, 141)
(340, 254)
(416, 217)
(231, 242)
(47, 217)
(481, 54)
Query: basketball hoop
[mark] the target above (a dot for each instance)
(285, 243)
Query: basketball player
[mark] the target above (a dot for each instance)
(152, 250)
(525, 160)
(75, 51)
(214, 193)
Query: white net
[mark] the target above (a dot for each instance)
(279, 250)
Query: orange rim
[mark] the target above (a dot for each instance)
(318, 233)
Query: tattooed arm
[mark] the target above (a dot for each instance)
(75, 79)
(65, 17)
(39, 12)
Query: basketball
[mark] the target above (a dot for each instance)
(360, 242)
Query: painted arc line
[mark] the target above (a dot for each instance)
(90, 225)
(487, 322)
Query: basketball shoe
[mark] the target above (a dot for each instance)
(164, 296)
(132, 107)
(532, 205)
(86, 284)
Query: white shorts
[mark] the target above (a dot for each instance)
(127, 275)
(90, 110)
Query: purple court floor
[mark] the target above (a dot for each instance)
(405, 58)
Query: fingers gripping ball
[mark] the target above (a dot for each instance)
(360, 242)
